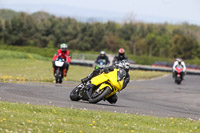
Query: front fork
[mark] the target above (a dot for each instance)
(60, 69)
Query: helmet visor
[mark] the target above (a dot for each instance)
(63, 49)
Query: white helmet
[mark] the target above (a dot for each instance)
(102, 52)
(63, 47)
(178, 59)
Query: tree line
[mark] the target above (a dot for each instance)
(44, 30)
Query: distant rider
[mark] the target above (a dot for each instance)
(104, 57)
(64, 54)
(179, 61)
(121, 56)
(122, 65)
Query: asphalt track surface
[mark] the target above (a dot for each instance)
(157, 97)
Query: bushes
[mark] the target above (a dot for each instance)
(44, 30)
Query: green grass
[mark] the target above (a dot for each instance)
(140, 75)
(91, 55)
(7, 54)
(48, 52)
(40, 70)
(42, 119)
(36, 70)
(20, 66)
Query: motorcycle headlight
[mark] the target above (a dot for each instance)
(121, 74)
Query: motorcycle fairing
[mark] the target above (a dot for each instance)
(179, 71)
(101, 63)
(108, 80)
(179, 68)
(59, 64)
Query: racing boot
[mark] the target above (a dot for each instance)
(65, 72)
(66, 69)
(112, 99)
(54, 71)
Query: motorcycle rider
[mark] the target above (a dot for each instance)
(103, 56)
(122, 65)
(121, 56)
(64, 54)
(179, 61)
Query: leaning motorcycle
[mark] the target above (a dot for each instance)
(59, 72)
(178, 74)
(107, 84)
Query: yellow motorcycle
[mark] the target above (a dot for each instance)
(106, 85)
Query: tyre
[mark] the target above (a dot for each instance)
(74, 95)
(58, 76)
(60, 80)
(112, 99)
(178, 81)
(98, 96)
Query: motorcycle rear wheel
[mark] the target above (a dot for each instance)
(100, 96)
(178, 82)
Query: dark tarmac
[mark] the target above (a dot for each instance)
(157, 97)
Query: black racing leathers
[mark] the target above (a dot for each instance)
(119, 58)
(105, 57)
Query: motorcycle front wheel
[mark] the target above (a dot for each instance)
(58, 76)
(99, 95)
(74, 95)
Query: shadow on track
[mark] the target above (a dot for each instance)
(101, 104)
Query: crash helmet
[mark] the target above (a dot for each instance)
(121, 51)
(179, 60)
(63, 47)
(121, 54)
(102, 53)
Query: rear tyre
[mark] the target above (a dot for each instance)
(178, 81)
(98, 96)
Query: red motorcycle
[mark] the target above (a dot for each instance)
(178, 74)
(59, 70)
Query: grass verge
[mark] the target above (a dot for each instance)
(22, 67)
(22, 70)
(57, 120)
(49, 52)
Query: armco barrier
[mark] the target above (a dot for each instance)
(82, 63)
(161, 69)
(135, 67)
